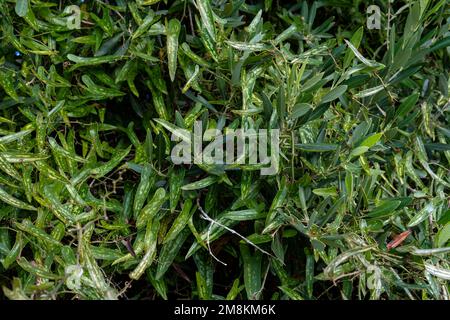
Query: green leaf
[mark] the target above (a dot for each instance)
(317, 147)
(370, 141)
(407, 105)
(7, 82)
(21, 7)
(180, 133)
(206, 14)
(300, 110)
(149, 20)
(361, 58)
(443, 235)
(422, 215)
(252, 272)
(369, 92)
(173, 31)
(9, 199)
(384, 209)
(334, 94)
(359, 151)
(206, 182)
(99, 92)
(326, 192)
(356, 41)
(91, 61)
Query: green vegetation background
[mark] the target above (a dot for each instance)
(91, 206)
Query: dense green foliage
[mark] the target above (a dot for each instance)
(91, 206)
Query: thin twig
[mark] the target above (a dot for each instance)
(205, 216)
